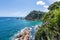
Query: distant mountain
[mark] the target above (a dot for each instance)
(34, 15)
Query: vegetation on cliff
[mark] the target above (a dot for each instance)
(34, 15)
(50, 30)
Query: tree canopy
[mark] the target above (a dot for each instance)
(54, 6)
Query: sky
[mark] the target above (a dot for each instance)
(21, 8)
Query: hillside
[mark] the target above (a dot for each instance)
(50, 30)
(34, 15)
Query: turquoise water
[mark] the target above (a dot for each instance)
(10, 26)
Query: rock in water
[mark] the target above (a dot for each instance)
(24, 35)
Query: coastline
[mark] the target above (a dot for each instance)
(27, 33)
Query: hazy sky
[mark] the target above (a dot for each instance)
(20, 8)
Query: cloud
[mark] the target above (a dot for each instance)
(45, 6)
(58, 0)
(40, 3)
(52, 1)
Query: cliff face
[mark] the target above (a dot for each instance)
(34, 15)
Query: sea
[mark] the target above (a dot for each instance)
(9, 26)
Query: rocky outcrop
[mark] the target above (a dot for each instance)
(24, 35)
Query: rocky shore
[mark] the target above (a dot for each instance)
(25, 34)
